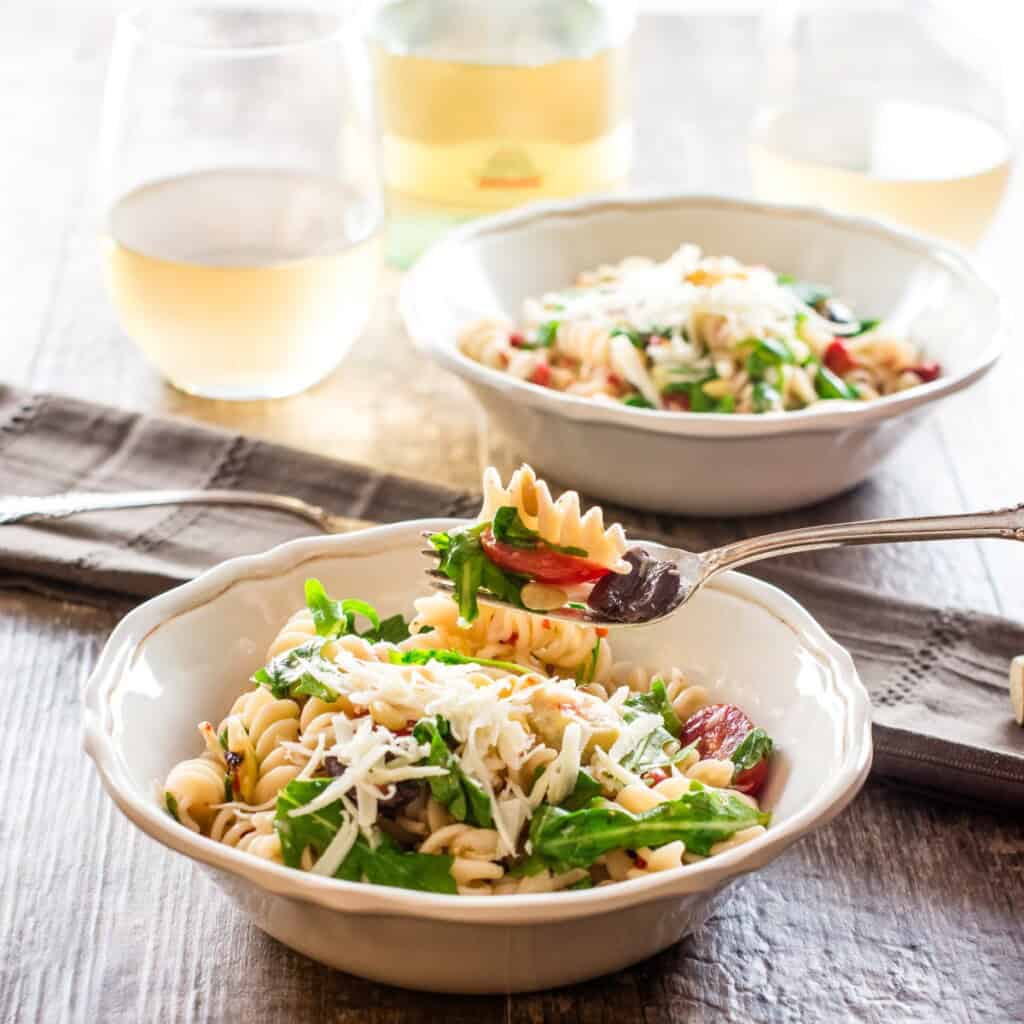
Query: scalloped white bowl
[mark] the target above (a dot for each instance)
(702, 463)
(184, 656)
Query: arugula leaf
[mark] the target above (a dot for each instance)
(637, 401)
(464, 797)
(586, 789)
(766, 352)
(660, 747)
(508, 528)
(701, 817)
(528, 866)
(464, 562)
(339, 618)
(387, 864)
(863, 327)
(390, 865)
(314, 830)
(586, 672)
(425, 655)
(756, 746)
(830, 385)
(656, 701)
(312, 687)
(546, 335)
(171, 805)
(327, 614)
(297, 672)
(393, 630)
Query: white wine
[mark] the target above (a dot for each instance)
(934, 169)
(242, 283)
(484, 137)
(486, 105)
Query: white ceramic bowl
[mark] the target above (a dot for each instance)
(702, 463)
(184, 656)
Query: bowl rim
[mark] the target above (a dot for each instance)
(416, 286)
(100, 695)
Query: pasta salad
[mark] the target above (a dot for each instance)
(504, 754)
(699, 334)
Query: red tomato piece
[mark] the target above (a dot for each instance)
(679, 402)
(541, 375)
(541, 563)
(718, 730)
(516, 339)
(838, 358)
(927, 371)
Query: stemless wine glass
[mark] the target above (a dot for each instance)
(241, 195)
(892, 109)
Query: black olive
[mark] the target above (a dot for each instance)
(404, 793)
(650, 589)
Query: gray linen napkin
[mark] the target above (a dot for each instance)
(938, 678)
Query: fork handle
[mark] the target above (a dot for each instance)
(15, 509)
(1007, 523)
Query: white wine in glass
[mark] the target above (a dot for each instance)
(242, 262)
(891, 110)
(486, 105)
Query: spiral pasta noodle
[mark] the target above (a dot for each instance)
(558, 522)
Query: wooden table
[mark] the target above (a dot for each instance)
(903, 910)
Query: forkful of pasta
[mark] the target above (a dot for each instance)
(530, 551)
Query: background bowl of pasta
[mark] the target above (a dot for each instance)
(183, 657)
(724, 459)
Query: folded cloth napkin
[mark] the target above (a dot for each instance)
(938, 678)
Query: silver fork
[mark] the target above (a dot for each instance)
(680, 574)
(16, 509)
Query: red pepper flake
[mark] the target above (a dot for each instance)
(541, 375)
(655, 775)
(838, 358)
(511, 639)
(545, 623)
(614, 380)
(516, 339)
(927, 371)
(601, 631)
(640, 862)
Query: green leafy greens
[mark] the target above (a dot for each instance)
(464, 797)
(302, 670)
(385, 864)
(660, 747)
(172, 806)
(701, 817)
(464, 562)
(508, 528)
(338, 618)
(831, 385)
(756, 746)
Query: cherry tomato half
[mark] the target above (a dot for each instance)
(541, 563)
(718, 730)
